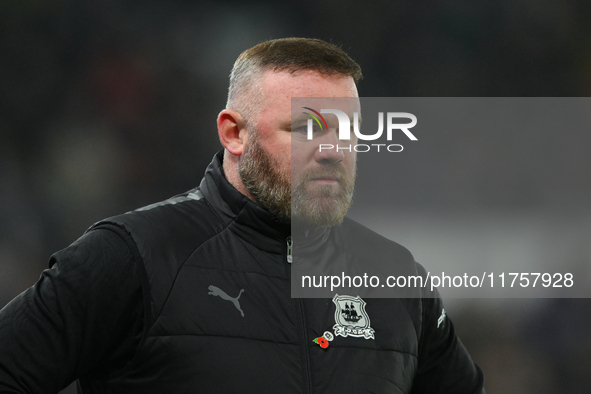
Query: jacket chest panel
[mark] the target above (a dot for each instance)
(219, 314)
(228, 288)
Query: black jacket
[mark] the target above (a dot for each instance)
(192, 295)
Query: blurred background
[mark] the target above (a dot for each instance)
(107, 106)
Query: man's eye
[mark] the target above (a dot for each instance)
(317, 129)
(304, 129)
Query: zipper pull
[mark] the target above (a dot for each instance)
(289, 246)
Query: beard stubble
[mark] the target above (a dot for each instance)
(271, 188)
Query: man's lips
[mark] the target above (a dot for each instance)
(325, 179)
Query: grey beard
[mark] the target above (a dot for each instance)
(324, 208)
(271, 189)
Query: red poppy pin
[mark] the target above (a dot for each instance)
(322, 342)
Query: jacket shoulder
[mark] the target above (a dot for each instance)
(182, 221)
(166, 234)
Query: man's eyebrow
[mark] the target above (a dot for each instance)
(299, 118)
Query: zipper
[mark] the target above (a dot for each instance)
(305, 351)
(289, 249)
(307, 378)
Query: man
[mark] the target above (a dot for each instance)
(192, 294)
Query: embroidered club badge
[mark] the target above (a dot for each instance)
(351, 318)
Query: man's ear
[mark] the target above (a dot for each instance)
(232, 131)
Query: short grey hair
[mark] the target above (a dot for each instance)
(245, 94)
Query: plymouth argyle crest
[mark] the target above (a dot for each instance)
(350, 317)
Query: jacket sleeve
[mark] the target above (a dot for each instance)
(444, 365)
(84, 314)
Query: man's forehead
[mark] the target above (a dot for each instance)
(304, 108)
(307, 83)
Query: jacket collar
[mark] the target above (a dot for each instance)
(241, 215)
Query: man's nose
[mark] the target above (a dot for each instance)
(330, 148)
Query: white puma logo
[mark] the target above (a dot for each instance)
(216, 291)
